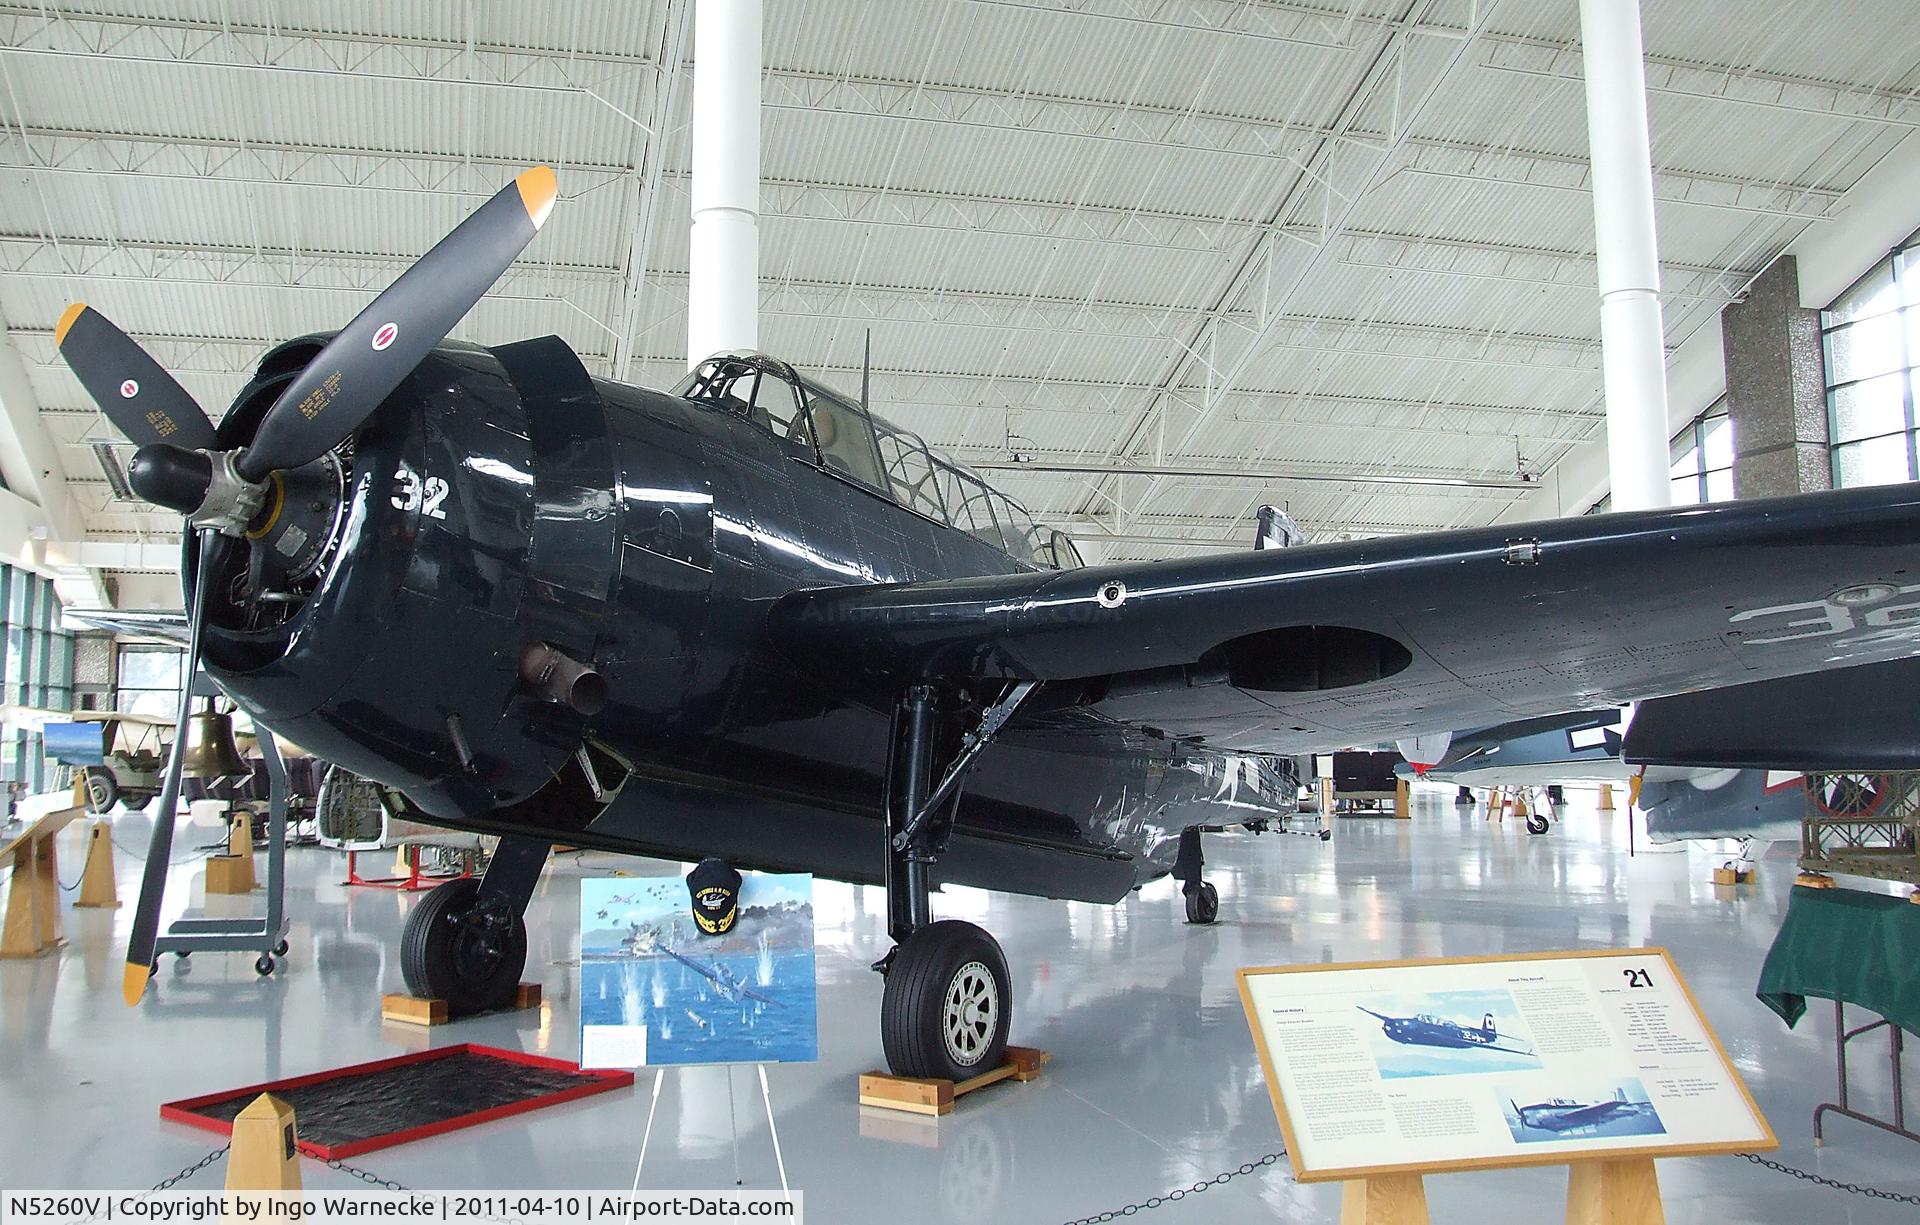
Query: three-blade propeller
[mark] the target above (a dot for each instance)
(331, 398)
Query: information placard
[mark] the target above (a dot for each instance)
(1478, 1063)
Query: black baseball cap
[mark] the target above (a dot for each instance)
(715, 889)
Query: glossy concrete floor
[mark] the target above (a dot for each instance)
(1154, 1083)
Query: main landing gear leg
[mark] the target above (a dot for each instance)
(1203, 900)
(466, 942)
(948, 999)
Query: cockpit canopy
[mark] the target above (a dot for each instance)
(826, 428)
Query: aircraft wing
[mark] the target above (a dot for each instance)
(1318, 647)
(166, 626)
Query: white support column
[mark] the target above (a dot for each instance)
(30, 463)
(724, 269)
(1633, 353)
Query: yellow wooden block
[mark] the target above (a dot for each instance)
(264, 1156)
(1732, 876)
(936, 1097)
(230, 874)
(411, 1010)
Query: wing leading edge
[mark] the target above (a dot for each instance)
(1328, 645)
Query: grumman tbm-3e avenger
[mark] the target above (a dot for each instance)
(748, 618)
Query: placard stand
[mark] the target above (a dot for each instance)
(1614, 1191)
(1388, 1199)
(766, 1097)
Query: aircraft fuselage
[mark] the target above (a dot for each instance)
(505, 498)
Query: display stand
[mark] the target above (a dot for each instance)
(32, 927)
(1391, 1199)
(1649, 1078)
(412, 882)
(1614, 1191)
(773, 1130)
(917, 1095)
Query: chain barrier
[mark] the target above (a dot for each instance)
(1179, 1193)
(365, 1176)
(187, 1172)
(1833, 1183)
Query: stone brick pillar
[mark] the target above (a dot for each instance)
(1776, 388)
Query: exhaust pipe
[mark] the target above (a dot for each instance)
(558, 677)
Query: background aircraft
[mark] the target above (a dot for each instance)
(748, 618)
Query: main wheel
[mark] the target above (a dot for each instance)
(1203, 903)
(947, 1005)
(102, 791)
(453, 951)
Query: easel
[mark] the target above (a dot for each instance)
(1600, 1191)
(766, 1097)
(32, 927)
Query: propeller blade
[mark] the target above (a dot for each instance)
(360, 367)
(153, 878)
(139, 397)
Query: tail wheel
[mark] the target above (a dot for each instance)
(102, 791)
(948, 1003)
(453, 950)
(1203, 903)
(1536, 823)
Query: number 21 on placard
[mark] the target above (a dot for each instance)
(1638, 978)
(411, 493)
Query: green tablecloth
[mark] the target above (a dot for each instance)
(1838, 944)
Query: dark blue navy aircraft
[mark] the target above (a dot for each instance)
(1425, 1029)
(749, 618)
(1561, 1114)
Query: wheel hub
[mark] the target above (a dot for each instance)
(971, 1013)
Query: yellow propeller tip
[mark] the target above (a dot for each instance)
(66, 321)
(133, 984)
(538, 190)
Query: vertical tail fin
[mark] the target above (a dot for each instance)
(1619, 1095)
(1487, 1024)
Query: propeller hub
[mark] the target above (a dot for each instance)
(171, 476)
(205, 486)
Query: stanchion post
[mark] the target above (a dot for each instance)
(265, 1155)
(96, 880)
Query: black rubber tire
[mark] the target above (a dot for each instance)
(280, 949)
(102, 791)
(1536, 823)
(1203, 904)
(442, 959)
(927, 968)
(263, 964)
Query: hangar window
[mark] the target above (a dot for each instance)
(1871, 338)
(39, 673)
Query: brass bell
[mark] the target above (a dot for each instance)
(210, 749)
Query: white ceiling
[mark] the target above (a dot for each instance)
(1305, 238)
